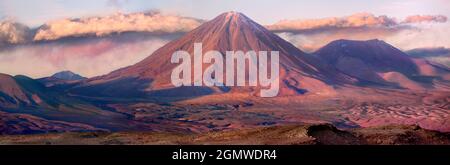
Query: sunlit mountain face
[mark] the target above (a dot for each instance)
(346, 76)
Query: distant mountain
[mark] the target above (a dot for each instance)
(67, 75)
(61, 79)
(17, 92)
(231, 31)
(375, 62)
(21, 91)
(12, 94)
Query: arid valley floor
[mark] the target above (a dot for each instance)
(404, 117)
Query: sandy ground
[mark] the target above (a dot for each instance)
(346, 110)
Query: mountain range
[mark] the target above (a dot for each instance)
(341, 65)
(230, 31)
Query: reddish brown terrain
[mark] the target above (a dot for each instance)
(11, 92)
(28, 124)
(322, 134)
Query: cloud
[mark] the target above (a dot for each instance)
(425, 18)
(439, 55)
(423, 35)
(307, 34)
(311, 41)
(13, 33)
(100, 26)
(359, 20)
(87, 56)
(86, 45)
(353, 21)
(311, 34)
(429, 52)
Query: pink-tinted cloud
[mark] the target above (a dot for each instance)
(311, 41)
(117, 23)
(425, 18)
(87, 56)
(311, 34)
(352, 21)
(359, 20)
(13, 33)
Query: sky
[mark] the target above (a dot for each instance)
(42, 37)
(37, 12)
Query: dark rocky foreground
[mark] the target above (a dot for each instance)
(316, 134)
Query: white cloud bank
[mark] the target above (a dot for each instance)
(154, 22)
(352, 21)
(13, 33)
(117, 23)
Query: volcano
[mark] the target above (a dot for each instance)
(231, 31)
(375, 62)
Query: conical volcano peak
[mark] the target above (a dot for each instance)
(232, 15)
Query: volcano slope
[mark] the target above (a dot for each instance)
(229, 31)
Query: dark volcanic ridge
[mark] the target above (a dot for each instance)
(318, 134)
